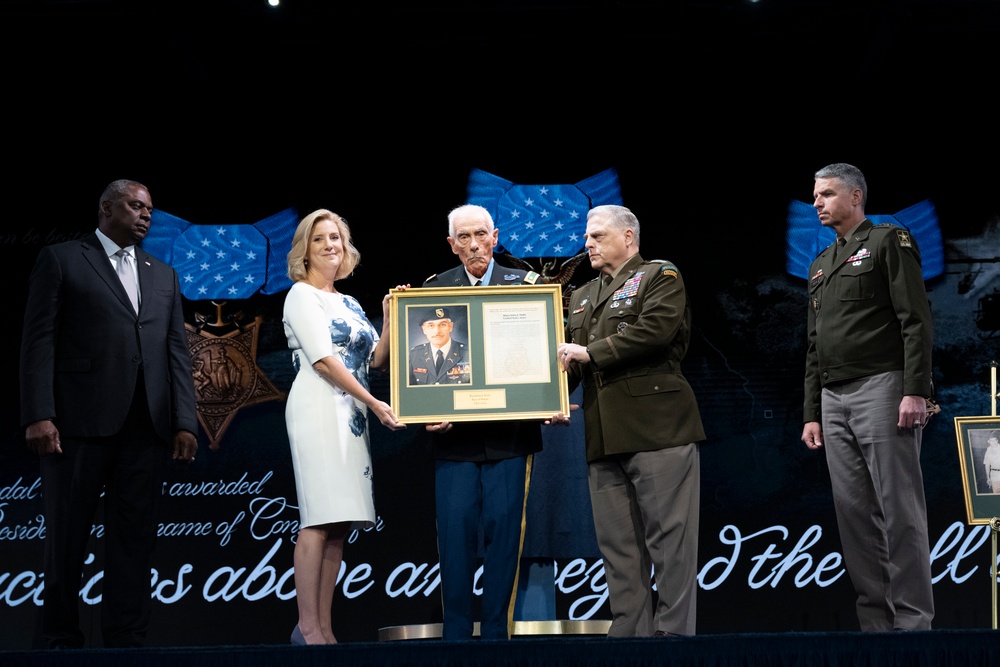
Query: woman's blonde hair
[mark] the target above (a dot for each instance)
(298, 264)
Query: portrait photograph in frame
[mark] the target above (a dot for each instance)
(500, 357)
(437, 337)
(979, 453)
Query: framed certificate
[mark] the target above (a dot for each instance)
(979, 452)
(477, 353)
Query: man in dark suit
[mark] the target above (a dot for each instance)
(481, 469)
(106, 397)
(442, 359)
(628, 332)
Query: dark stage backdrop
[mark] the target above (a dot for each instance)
(714, 120)
(768, 537)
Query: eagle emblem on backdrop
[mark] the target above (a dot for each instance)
(542, 226)
(216, 265)
(806, 237)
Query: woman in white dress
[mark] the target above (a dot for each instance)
(333, 344)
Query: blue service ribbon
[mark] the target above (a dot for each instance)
(542, 220)
(224, 262)
(806, 237)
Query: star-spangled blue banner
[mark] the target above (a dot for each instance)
(542, 220)
(806, 237)
(224, 262)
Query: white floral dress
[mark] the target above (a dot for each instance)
(327, 427)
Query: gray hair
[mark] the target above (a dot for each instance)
(619, 217)
(118, 189)
(468, 211)
(850, 175)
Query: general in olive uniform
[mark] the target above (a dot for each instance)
(868, 375)
(629, 331)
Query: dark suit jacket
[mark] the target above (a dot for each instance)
(637, 331)
(494, 440)
(83, 345)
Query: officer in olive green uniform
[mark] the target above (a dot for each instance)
(627, 340)
(868, 374)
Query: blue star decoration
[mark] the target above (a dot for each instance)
(224, 262)
(806, 237)
(541, 220)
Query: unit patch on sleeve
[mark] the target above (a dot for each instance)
(668, 269)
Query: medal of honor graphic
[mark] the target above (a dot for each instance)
(545, 222)
(806, 237)
(218, 264)
(226, 375)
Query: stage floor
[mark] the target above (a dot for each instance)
(936, 648)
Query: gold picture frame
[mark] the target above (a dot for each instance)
(979, 464)
(502, 361)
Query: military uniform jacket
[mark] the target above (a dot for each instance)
(454, 369)
(490, 440)
(637, 330)
(868, 314)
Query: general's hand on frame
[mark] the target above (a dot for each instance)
(559, 418)
(572, 352)
(43, 438)
(185, 446)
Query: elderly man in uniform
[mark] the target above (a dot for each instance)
(482, 469)
(628, 332)
(868, 375)
(442, 359)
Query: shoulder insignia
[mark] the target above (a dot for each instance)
(531, 277)
(430, 277)
(667, 268)
(904, 238)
